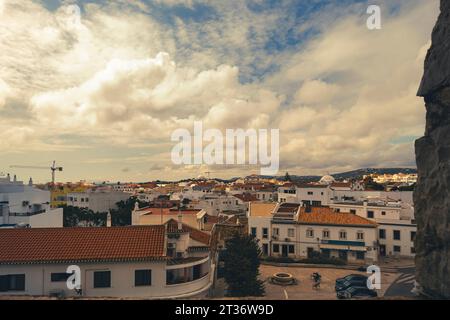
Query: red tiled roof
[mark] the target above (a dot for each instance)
(195, 234)
(246, 197)
(211, 219)
(51, 245)
(167, 211)
(325, 215)
(309, 185)
(341, 185)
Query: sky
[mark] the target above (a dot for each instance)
(102, 92)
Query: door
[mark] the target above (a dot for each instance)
(343, 255)
(310, 253)
(265, 249)
(284, 250)
(382, 250)
(326, 253)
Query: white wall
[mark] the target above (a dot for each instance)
(50, 219)
(122, 280)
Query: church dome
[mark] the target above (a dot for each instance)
(327, 180)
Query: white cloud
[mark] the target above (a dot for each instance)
(340, 98)
(316, 92)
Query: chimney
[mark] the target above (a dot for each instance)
(15, 178)
(8, 178)
(135, 216)
(30, 183)
(108, 220)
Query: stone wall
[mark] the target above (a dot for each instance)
(432, 195)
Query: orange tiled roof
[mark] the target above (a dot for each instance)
(167, 211)
(52, 245)
(246, 197)
(195, 234)
(325, 215)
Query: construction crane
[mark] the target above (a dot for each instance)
(53, 168)
(208, 173)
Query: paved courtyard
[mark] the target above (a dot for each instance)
(304, 291)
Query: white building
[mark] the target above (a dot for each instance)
(396, 224)
(217, 204)
(100, 200)
(148, 196)
(25, 205)
(165, 261)
(290, 230)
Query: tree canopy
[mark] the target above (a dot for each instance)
(241, 266)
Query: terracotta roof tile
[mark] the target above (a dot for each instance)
(246, 197)
(325, 215)
(195, 234)
(81, 244)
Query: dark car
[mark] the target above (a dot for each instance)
(356, 293)
(362, 268)
(350, 278)
(355, 282)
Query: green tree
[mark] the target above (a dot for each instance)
(82, 217)
(287, 177)
(122, 215)
(241, 266)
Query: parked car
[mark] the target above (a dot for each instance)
(356, 293)
(351, 277)
(355, 282)
(362, 268)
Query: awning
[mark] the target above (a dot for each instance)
(337, 247)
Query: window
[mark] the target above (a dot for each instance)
(370, 214)
(360, 235)
(291, 249)
(342, 235)
(276, 248)
(338, 210)
(397, 249)
(291, 233)
(353, 211)
(325, 234)
(142, 278)
(413, 236)
(102, 279)
(413, 250)
(253, 232)
(383, 213)
(310, 233)
(59, 277)
(316, 203)
(396, 234)
(265, 233)
(382, 234)
(310, 193)
(360, 255)
(12, 282)
(276, 232)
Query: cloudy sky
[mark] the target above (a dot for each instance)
(101, 93)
